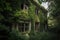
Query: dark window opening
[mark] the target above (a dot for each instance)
(36, 11)
(21, 6)
(24, 6)
(23, 27)
(37, 26)
(27, 25)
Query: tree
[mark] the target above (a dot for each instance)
(55, 14)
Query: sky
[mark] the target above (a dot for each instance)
(45, 5)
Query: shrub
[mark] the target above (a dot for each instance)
(3, 32)
(42, 36)
(16, 35)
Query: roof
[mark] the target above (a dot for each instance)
(36, 3)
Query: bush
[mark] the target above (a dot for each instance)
(42, 36)
(16, 35)
(3, 27)
(3, 32)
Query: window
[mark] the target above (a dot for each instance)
(24, 6)
(23, 27)
(37, 26)
(36, 11)
(21, 6)
(27, 25)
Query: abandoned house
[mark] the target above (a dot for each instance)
(25, 25)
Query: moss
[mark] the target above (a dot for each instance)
(37, 18)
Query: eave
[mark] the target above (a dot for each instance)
(39, 6)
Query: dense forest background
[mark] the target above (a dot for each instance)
(9, 13)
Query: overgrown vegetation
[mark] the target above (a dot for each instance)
(11, 12)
